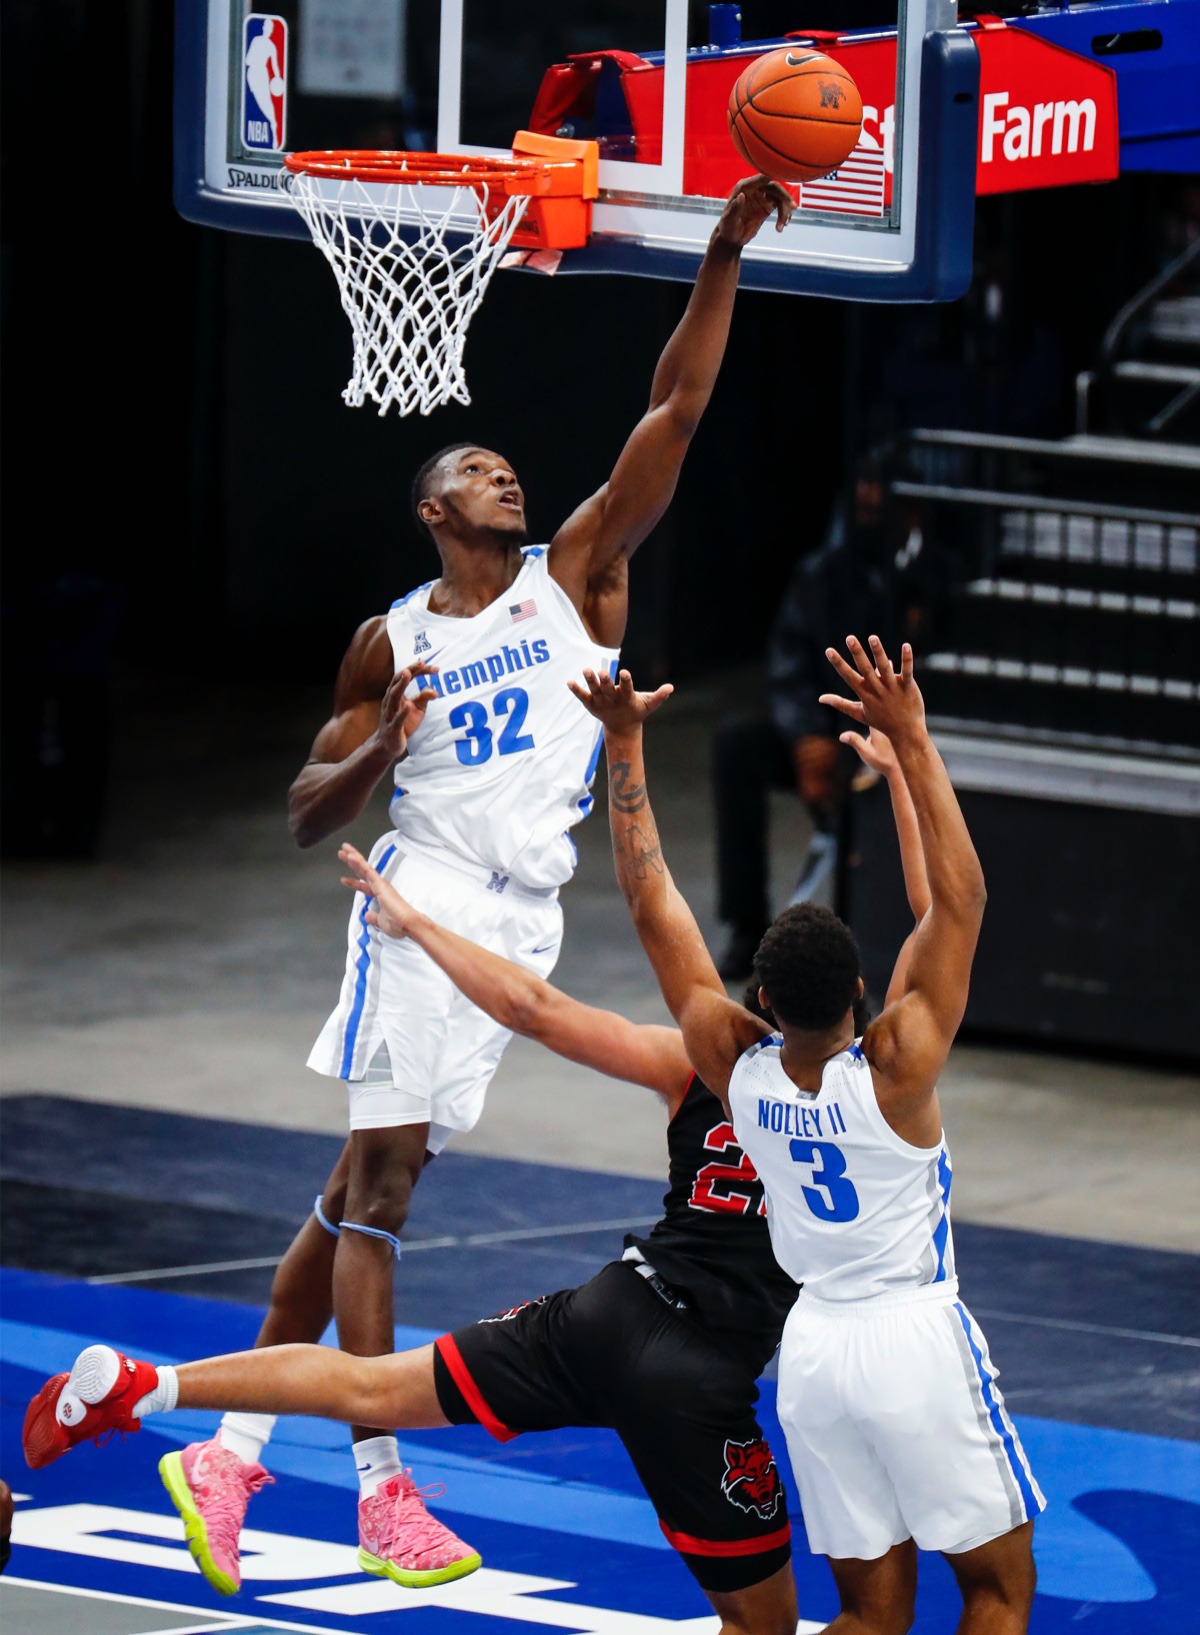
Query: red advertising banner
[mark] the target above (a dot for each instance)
(1047, 117)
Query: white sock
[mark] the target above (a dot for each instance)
(163, 1397)
(95, 1373)
(377, 1459)
(246, 1435)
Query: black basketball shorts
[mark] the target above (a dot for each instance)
(613, 1353)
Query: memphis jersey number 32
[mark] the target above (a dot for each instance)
(500, 732)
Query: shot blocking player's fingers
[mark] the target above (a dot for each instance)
(862, 658)
(653, 700)
(883, 664)
(848, 706)
(848, 674)
(781, 201)
(906, 663)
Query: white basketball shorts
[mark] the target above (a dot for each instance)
(399, 1010)
(896, 1427)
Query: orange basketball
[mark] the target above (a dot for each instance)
(795, 114)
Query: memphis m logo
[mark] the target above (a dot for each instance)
(751, 1480)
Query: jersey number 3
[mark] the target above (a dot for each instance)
(831, 1196)
(475, 747)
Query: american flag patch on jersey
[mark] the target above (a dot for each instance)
(522, 610)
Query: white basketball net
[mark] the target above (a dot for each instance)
(412, 264)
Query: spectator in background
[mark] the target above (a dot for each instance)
(848, 583)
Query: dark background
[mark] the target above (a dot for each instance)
(186, 493)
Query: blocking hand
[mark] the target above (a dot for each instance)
(615, 704)
(884, 700)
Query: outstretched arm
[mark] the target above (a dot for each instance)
(909, 1043)
(365, 736)
(589, 555)
(876, 751)
(715, 1030)
(523, 1002)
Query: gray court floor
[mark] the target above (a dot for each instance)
(31, 1608)
(192, 965)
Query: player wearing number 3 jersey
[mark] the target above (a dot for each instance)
(897, 1430)
(459, 695)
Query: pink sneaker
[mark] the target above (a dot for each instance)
(400, 1540)
(211, 1487)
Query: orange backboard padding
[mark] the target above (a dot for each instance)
(560, 218)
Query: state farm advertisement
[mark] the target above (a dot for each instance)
(1047, 117)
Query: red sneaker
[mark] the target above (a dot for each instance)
(96, 1397)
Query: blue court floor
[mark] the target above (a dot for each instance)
(157, 1233)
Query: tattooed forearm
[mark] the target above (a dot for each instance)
(625, 795)
(639, 853)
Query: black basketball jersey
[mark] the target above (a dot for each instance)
(712, 1243)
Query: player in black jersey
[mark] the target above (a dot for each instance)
(664, 1346)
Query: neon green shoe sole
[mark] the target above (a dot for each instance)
(414, 1580)
(170, 1468)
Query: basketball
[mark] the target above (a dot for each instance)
(795, 114)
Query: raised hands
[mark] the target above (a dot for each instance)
(391, 913)
(615, 704)
(751, 203)
(874, 750)
(883, 700)
(399, 715)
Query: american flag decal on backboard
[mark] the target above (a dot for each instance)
(522, 610)
(855, 188)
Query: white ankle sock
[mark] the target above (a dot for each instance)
(163, 1397)
(246, 1435)
(376, 1458)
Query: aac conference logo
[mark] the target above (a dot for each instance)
(264, 83)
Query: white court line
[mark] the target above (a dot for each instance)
(203, 1629)
(1087, 1328)
(234, 1621)
(478, 1240)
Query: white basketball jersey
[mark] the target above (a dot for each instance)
(854, 1211)
(502, 765)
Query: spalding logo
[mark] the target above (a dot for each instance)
(751, 1480)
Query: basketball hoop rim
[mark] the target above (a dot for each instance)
(384, 166)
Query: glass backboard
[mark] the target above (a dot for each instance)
(648, 80)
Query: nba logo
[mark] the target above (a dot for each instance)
(264, 82)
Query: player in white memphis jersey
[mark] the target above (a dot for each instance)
(897, 1431)
(460, 695)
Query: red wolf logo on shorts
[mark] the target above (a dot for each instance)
(751, 1480)
(514, 1311)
